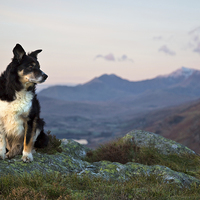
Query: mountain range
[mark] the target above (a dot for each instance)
(178, 87)
(109, 106)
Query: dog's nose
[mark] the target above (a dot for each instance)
(44, 76)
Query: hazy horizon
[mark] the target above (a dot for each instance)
(44, 85)
(83, 40)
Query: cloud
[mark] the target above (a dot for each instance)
(194, 42)
(157, 38)
(194, 31)
(125, 58)
(166, 50)
(111, 57)
(161, 38)
(197, 48)
(98, 56)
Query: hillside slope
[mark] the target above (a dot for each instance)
(109, 106)
(180, 123)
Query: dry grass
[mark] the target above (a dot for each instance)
(126, 151)
(72, 187)
(53, 145)
(52, 186)
(114, 151)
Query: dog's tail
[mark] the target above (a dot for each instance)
(42, 140)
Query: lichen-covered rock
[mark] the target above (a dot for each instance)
(71, 160)
(163, 145)
(117, 171)
(67, 161)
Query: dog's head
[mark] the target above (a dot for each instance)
(28, 67)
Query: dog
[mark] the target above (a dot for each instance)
(21, 127)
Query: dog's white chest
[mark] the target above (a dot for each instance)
(23, 103)
(13, 113)
(20, 106)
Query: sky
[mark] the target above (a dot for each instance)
(83, 39)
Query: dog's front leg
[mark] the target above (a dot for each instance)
(2, 145)
(30, 132)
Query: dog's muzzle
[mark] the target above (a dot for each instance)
(41, 78)
(44, 77)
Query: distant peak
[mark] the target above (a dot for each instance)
(108, 75)
(186, 70)
(181, 72)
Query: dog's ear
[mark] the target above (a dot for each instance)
(18, 52)
(35, 53)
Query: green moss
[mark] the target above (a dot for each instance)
(124, 151)
(153, 179)
(161, 144)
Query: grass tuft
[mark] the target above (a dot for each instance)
(114, 151)
(127, 151)
(53, 145)
(72, 187)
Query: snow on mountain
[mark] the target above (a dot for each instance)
(182, 72)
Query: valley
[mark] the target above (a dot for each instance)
(109, 106)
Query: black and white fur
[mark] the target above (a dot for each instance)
(20, 124)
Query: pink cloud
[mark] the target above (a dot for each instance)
(111, 57)
(125, 58)
(197, 49)
(166, 50)
(108, 57)
(195, 31)
(157, 38)
(194, 43)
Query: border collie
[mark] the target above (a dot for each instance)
(21, 127)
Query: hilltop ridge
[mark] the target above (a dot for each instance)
(114, 88)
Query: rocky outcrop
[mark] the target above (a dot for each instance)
(71, 160)
(161, 144)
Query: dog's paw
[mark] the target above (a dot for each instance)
(10, 154)
(3, 153)
(27, 157)
(17, 150)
